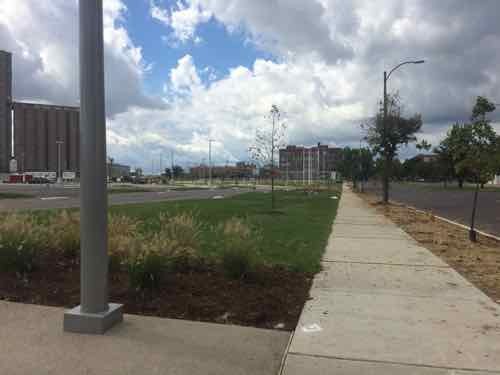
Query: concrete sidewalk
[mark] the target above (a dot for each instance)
(32, 342)
(385, 305)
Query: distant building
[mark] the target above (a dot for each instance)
(118, 170)
(36, 138)
(240, 170)
(426, 158)
(42, 135)
(319, 162)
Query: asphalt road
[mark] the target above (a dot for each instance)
(63, 197)
(452, 204)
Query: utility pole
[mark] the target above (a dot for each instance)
(210, 162)
(94, 315)
(387, 161)
(304, 166)
(360, 168)
(59, 169)
(172, 166)
(319, 167)
(309, 165)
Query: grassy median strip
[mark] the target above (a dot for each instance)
(294, 235)
(8, 195)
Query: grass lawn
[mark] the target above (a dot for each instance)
(14, 196)
(294, 236)
(124, 190)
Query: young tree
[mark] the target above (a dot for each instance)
(423, 145)
(167, 173)
(357, 165)
(267, 144)
(454, 149)
(387, 135)
(481, 153)
(177, 171)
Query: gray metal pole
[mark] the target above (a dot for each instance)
(94, 315)
(172, 167)
(59, 171)
(210, 162)
(385, 183)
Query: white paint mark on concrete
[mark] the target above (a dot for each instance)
(312, 328)
(53, 198)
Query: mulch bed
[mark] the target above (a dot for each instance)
(271, 298)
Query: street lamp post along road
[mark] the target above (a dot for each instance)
(210, 141)
(94, 315)
(384, 134)
(59, 166)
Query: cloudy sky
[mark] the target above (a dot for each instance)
(179, 72)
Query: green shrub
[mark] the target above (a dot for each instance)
(240, 248)
(21, 241)
(64, 227)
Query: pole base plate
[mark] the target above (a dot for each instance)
(93, 324)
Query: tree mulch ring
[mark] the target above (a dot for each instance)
(272, 298)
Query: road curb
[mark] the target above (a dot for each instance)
(484, 234)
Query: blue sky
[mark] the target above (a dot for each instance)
(219, 50)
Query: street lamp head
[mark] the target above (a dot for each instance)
(419, 62)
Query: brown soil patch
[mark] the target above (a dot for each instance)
(477, 262)
(272, 298)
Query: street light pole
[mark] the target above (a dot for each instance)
(59, 171)
(172, 166)
(210, 162)
(387, 160)
(94, 315)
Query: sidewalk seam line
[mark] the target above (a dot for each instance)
(387, 264)
(393, 363)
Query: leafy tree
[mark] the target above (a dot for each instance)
(386, 136)
(167, 173)
(267, 144)
(454, 150)
(357, 164)
(478, 151)
(423, 145)
(481, 108)
(178, 171)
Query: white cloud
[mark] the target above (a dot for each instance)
(229, 110)
(184, 78)
(159, 13)
(43, 37)
(183, 18)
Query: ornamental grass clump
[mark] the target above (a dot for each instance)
(175, 242)
(241, 246)
(22, 240)
(64, 229)
(122, 236)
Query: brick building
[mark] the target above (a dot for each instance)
(309, 163)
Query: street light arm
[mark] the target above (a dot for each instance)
(403, 63)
